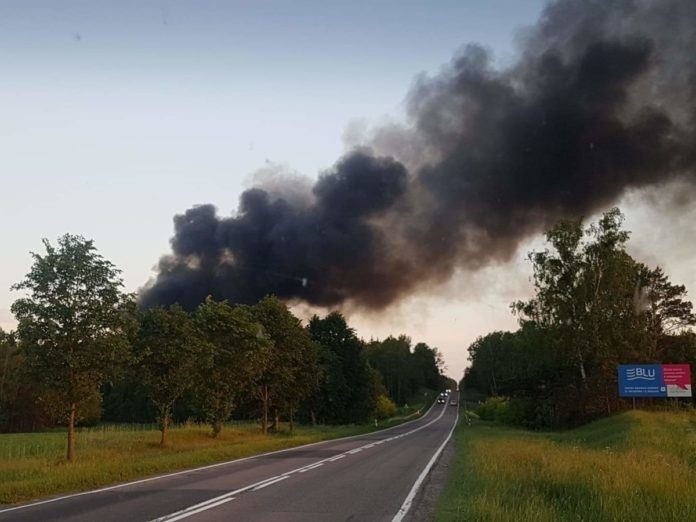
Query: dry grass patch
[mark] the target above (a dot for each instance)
(32, 465)
(635, 466)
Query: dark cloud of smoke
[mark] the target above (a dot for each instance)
(601, 100)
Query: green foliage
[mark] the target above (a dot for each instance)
(169, 357)
(385, 408)
(405, 371)
(73, 324)
(513, 412)
(594, 307)
(348, 388)
(21, 408)
(288, 373)
(236, 352)
(489, 409)
(72, 354)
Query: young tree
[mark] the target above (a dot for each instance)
(168, 358)
(238, 349)
(73, 324)
(284, 381)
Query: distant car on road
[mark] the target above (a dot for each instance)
(453, 402)
(441, 400)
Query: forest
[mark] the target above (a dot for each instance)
(85, 352)
(594, 307)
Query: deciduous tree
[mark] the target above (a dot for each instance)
(73, 324)
(238, 348)
(169, 357)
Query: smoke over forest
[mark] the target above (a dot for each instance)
(600, 99)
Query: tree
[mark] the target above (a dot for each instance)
(392, 358)
(429, 366)
(665, 307)
(594, 308)
(169, 357)
(238, 349)
(286, 377)
(347, 392)
(73, 325)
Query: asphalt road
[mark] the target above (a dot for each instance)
(365, 478)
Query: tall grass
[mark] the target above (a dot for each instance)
(32, 465)
(634, 466)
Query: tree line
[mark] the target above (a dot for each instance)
(594, 307)
(84, 351)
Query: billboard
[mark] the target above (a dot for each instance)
(654, 380)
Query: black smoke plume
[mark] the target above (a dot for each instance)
(601, 99)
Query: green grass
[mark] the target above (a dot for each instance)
(638, 466)
(32, 465)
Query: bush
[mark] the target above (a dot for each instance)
(385, 408)
(513, 412)
(487, 411)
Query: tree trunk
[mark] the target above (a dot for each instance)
(313, 416)
(71, 432)
(264, 420)
(276, 421)
(291, 419)
(217, 427)
(164, 424)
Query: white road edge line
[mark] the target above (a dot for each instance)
(213, 502)
(209, 466)
(403, 510)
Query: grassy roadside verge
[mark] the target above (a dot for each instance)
(32, 465)
(634, 466)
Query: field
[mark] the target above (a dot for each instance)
(32, 465)
(635, 466)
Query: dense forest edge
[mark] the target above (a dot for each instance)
(594, 307)
(85, 353)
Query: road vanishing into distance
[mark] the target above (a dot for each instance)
(371, 477)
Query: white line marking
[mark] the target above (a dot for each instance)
(403, 510)
(312, 467)
(209, 466)
(266, 484)
(354, 451)
(337, 457)
(213, 502)
(188, 514)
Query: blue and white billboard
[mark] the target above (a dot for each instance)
(641, 380)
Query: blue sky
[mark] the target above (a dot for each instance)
(114, 116)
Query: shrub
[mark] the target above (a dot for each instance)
(385, 408)
(513, 412)
(487, 411)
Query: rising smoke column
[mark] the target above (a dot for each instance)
(602, 99)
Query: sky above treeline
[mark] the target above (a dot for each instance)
(117, 116)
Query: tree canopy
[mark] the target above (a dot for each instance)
(594, 307)
(73, 324)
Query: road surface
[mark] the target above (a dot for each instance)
(372, 477)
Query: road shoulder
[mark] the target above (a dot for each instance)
(425, 503)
